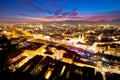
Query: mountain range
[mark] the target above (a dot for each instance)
(116, 22)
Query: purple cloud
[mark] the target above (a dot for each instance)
(58, 11)
(71, 13)
(65, 13)
(74, 12)
(36, 7)
(24, 14)
(55, 3)
(7, 17)
(110, 15)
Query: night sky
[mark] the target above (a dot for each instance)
(58, 10)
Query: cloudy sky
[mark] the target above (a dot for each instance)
(58, 10)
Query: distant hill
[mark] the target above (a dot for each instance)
(70, 22)
(116, 21)
(102, 22)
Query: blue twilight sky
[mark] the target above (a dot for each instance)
(58, 10)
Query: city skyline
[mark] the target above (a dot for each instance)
(58, 10)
